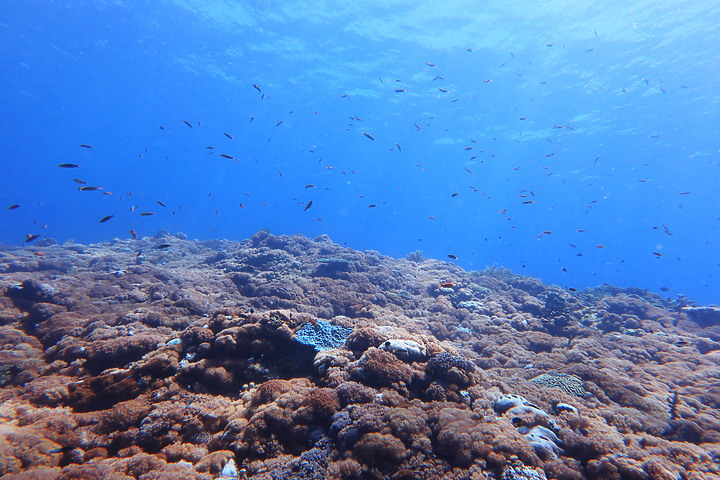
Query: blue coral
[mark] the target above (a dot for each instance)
(544, 441)
(324, 336)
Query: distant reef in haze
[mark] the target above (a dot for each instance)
(164, 358)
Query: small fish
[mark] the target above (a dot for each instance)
(547, 232)
(398, 147)
(89, 189)
(279, 123)
(163, 246)
(133, 234)
(684, 193)
(210, 147)
(667, 230)
(81, 182)
(443, 90)
(372, 205)
(573, 289)
(447, 285)
(527, 202)
(452, 257)
(14, 206)
(600, 246)
(223, 155)
(161, 204)
(307, 207)
(399, 90)
(106, 218)
(39, 254)
(187, 123)
(657, 254)
(580, 230)
(368, 136)
(454, 195)
(309, 185)
(664, 289)
(468, 170)
(564, 269)
(255, 86)
(146, 214)
(85, 146)
(30, 237)
(69, 165)
(228, 135)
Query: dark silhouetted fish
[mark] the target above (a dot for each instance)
(69, 165)
(307, 207)
(106, 218)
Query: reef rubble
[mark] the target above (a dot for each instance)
(165, 358)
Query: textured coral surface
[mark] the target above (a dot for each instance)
(289, 357)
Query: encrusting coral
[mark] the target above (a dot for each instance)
(290, 357)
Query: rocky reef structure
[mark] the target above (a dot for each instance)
(289, 357)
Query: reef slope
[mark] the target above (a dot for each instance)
(289, 357)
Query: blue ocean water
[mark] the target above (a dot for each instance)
(575, 142)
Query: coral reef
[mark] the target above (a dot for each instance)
(290, 357)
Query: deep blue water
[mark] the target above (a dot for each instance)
(608, 119)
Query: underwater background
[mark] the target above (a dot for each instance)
(576, 142)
